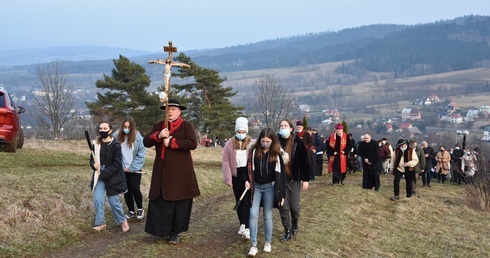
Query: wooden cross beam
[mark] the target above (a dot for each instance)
(170, 49)
(167, 73)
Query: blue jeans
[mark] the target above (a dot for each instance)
(99, 205)
(359, 163)
(265, 193)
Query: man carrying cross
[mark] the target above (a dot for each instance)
(173, 181)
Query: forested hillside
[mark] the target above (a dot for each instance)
(427, 49)
(458, 44)
(401, 50)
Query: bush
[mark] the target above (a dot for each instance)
(479, 188)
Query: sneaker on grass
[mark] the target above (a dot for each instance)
(241, 230)
(140, 214)
(246, 233)
(130, 215)
(267, 248)
(253, 251)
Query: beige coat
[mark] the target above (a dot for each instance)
(443, 159)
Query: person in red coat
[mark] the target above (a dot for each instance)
(173, 181)
(338, 147)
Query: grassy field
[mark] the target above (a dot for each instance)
(47, 211)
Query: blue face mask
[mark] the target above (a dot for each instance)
(285, 132)
(240, 136)
(126, 130)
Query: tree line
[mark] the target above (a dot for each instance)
(125, 92)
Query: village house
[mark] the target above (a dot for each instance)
(485, 110)
(405, 126)
(471, 115)
(406, 113)
(389, 128)
(332, 112)
(452, 107)
(304, 107)
(415, 114)
(414, 131)
(456, 118)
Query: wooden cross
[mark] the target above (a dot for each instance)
(170, 49)
(167, 73)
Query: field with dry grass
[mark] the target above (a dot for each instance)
(46, 211)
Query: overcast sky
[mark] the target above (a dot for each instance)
(199, 24)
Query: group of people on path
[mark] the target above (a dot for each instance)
(118, 159)
(266, 172)
(274, 168)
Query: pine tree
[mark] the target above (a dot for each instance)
(346, 127)
(305, 122)
(124, 93)
(209, 107)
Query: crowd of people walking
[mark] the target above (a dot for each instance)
(303, 160)
(264, 173)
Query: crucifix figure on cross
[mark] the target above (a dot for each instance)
(167, 73)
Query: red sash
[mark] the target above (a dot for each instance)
(174, 126)
(343, 157)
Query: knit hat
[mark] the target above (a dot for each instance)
(241, 123)
(299, 122)
(339, 127)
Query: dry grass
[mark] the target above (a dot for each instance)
(47, 207)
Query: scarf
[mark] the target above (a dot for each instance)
(342, 157)
(174, 125)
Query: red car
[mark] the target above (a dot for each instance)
(11, 134)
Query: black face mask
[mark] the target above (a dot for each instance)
(104, 134)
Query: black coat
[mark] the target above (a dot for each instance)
(113, 175)
(299, 158)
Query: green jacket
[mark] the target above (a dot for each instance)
(421, 156)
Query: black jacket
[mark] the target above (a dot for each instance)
(299, 158)
(113, 175)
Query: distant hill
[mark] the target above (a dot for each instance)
(397, 50)
(78, 53)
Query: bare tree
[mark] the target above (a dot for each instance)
(55, 102)
(273, 101)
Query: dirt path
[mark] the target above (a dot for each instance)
(207, 236)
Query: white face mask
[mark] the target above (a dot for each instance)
(403, 148)
(240, 136)
(285, 132)
(457, 148)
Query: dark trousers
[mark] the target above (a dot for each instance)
(408, 181)
(427, 174)
(457, 173)
(243, 211)
(133, 180)
(338, 177)
(319, 165)
(290, 209)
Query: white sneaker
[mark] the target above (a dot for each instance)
(267, 248)
(253, 251)
(246, 233)
(241, 230)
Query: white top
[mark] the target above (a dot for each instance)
(241, 158)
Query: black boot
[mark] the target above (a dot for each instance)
(294, 227)
(287, 235)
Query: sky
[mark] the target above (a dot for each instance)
(148, 25)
